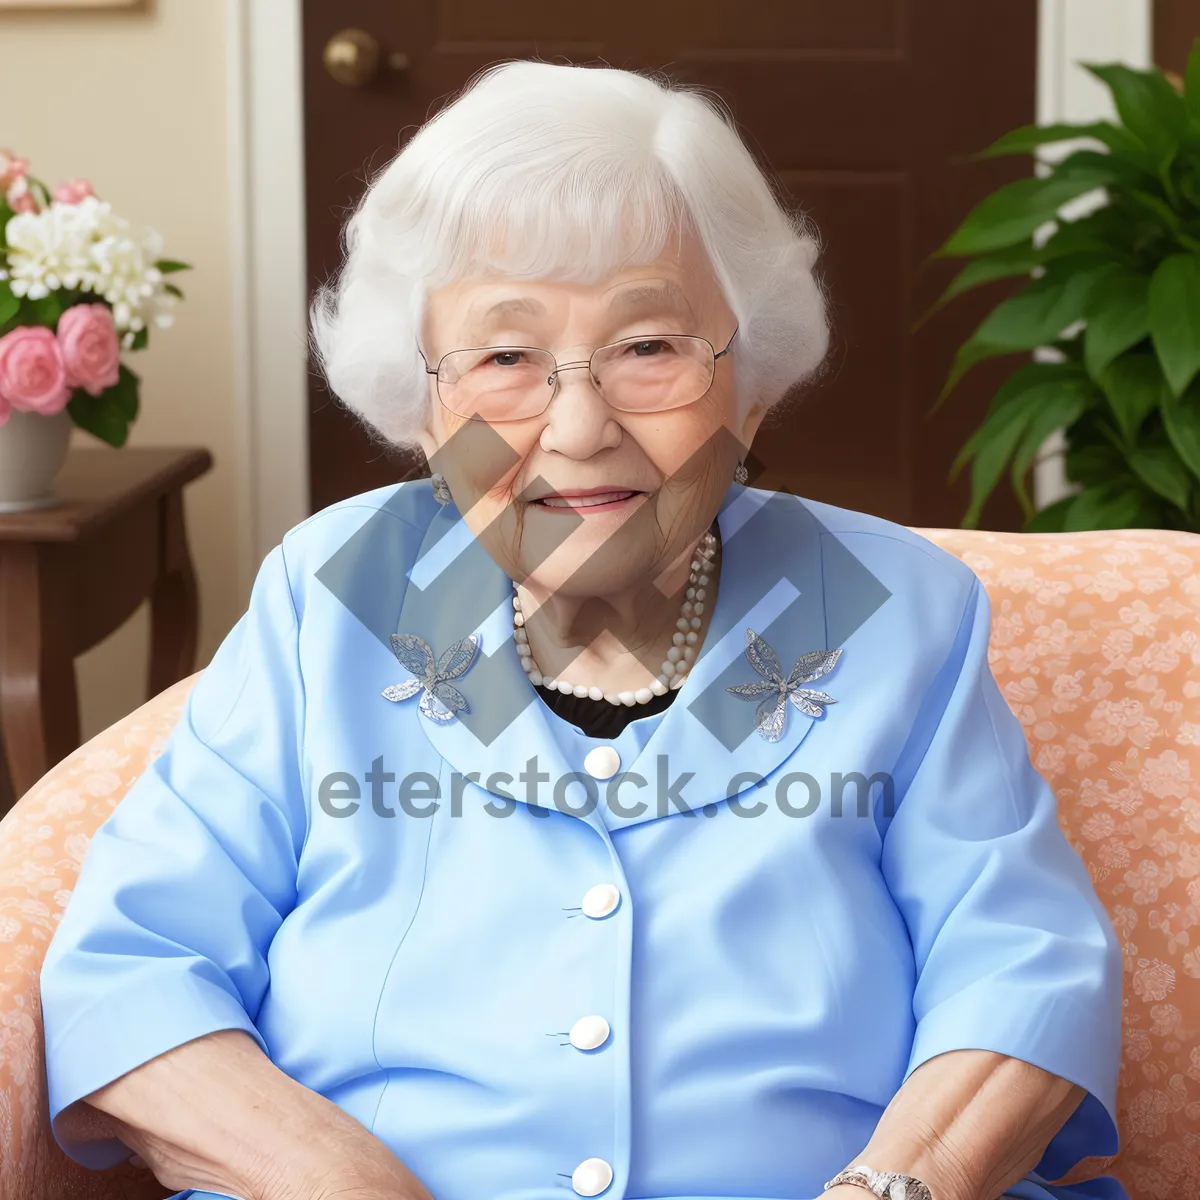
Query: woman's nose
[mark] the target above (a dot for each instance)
(579, 422)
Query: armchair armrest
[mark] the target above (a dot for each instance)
(43, 840)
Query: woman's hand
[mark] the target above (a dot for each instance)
(968, 1124)
(215, 1114)
(356, 1168)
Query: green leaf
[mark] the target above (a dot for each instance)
(1092, 462)
(1149, 107)
(1158, 208)
(173, 290)
(1188, 181)
(1120, 142)
(8, 303)
(1123, 145)
(1118, 316)
(168, 266)
(1034, 374)
(124, 393)
(1011, 214)
(1024, 394)
(1134, 387)
(1181, 419)
(41, 192)
(1043, 310)
(1032, 318)
(1028, 138)
(969, 353)
(1061, 409)
(99, 415)
(991, 455)
(45, 311)
(1049, 519)
(141, 339)
(1157, 465)
(1104, 232)
(1175, 318)
(1117, 504)
(1003, 264)
(1191, 84)
(1105, 170)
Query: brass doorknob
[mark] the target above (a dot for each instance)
(353, 58)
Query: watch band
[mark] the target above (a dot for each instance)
(887, 1185)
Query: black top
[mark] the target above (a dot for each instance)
(599, 718)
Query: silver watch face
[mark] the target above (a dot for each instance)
(901, 1187)
(887, 1185)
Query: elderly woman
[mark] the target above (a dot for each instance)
(585, 822)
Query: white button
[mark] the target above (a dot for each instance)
(589, 1032)
(591, 1177)
(603, 762)
(600, 900)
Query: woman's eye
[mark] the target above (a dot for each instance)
(506, 358)
(649, 348)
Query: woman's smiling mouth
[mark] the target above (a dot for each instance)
(589, 500)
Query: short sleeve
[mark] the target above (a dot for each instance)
(166, 935)
(1014, 951)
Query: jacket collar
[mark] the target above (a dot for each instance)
(771, 582)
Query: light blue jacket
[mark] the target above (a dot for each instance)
(767, 947)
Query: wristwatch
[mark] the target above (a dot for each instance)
(887, 1185)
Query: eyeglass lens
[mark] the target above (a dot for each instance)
(638, 375)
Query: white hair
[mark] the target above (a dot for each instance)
(540, 171)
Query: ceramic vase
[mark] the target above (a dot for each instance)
(32, 451)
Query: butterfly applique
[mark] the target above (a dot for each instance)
(773, 691)
(441, 701)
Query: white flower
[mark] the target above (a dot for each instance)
(87, 247)
(161, 309)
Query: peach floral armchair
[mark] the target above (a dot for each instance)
(1096, 646)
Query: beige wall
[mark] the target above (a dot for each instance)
(138, 103)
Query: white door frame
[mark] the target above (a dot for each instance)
(266, 145)
(266, 138)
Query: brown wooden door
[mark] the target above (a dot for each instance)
(863, 108)
(1176, 27)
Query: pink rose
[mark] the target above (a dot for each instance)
(90, 348)
(11, 168)
(32, 375)
(20, 196)
(71, 191)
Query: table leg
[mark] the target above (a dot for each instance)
(39, 709)
(174, 603)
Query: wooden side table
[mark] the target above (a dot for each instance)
(71, 574)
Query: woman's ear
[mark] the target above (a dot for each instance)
(427, 443)
(430, 435)
(746, 425)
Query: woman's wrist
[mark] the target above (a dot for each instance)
(924, 1173)
(945, 1174)
(215, 1114)
(314, 1150)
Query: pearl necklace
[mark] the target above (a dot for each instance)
(679, 658)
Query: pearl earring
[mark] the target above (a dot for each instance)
(740, 474)
(441, 489)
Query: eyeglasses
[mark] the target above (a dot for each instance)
(639, 374)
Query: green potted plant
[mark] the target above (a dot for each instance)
(1112, 304)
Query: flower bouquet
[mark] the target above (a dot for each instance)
(78, 286)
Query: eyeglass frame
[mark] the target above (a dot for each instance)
(587, 362)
